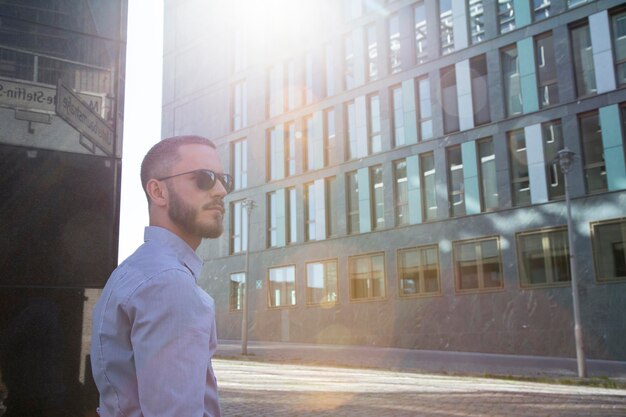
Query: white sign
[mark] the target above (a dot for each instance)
(77, 113)
(34, 96)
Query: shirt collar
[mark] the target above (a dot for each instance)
(182, 250)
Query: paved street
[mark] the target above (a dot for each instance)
(270, 389)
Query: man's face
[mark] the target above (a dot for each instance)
(196, 212)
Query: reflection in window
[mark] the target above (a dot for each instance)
(282, 286)
(309, 212)
(541, 9)
(424, 111)
(239, 162)
(609, 250)
(593, 152)
(367, 277)
(477, 21)
(272, 220)
(583, 61)
(353, 202)
(618, 22)
(520, 182)
(480, 90)
(321, 282)
(477, 265)
(291, 215)
(372, 52)
(401, 193)
(506, 15)
(446, 26)
(329, 68)
(543, 257)
(395, 60)
(512, 82)
(374, 136)
(398, 116)
(350, 126)
(290, 149)
(238, 227)
(418, 271)
(546, 71)
(378, 197)
(308, 142)
(428, 189)
(348, 64)
(329, 134)
(330, 193)
(449, 100)
(552, 134)
(488, 176)
(456, 184)
(419, 15)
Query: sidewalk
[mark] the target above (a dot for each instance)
(420, 360)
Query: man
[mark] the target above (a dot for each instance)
(153, 327)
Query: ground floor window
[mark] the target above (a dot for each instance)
(282, 286)
(418, 270)
(609, 252)
(321, 282)
(543, 257)
(367, 276)
(236, 290)
(477, 264)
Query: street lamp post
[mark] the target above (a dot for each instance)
(566, 157)
(248, 205)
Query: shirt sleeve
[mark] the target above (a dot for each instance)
(170, 334)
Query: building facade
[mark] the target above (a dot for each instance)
(61, 105)
(401, 155)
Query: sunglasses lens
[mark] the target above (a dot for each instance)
(205, 180)
(227, 182)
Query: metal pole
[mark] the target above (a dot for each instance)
(565, 160)
(248, 205)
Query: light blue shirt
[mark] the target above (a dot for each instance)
(154, 335)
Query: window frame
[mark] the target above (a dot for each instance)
(269, 287)
(306, 279)
(544, 233)
(480, 279)
(421, 279)
(369, 298)
(593, 230)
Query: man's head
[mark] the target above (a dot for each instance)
(185, 185)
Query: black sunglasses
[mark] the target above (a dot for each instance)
(205, 179)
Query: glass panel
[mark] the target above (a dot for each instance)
(425, 112)
(456, 184)
(395, 60)
(446, 26)
(552, 143)
(480, 90)
(421, 45)
(583, 61)
(449, 100)
(593, 153)
(520, 182)
(351, 127)
(512, 83)
(375, 142)
(429, 191)
(378, 197)
(353, 203)
(506, 15)
(476, 21)
(546, 71)
(348, 62)
(372, 52)
(618, 22)
(488, 177)
(402, 197)
(282, 289)
(541, 9)
(398, 117)
(609, 251)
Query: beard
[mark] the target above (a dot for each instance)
(186, 217)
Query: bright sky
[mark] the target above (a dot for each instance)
(142, 116)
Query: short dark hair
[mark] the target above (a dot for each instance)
(164, 154)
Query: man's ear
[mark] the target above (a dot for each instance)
(157, 191)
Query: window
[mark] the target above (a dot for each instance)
(372, 52)
(428, 189)
(309, 211)
(418, 271)
(583, 61)
(348, 64)
(373, 128)
(541, 9)
(593, 152)
(477, 264)
(239, 162)
(421, 45)
(512, 82)
(480, 95)
(275, 91)
(273, 148)
(520, 182)
(330, 193)
(576, 3)
(292, 84)
(546, 71)
(378, 197)
(353, 202)
(321, 282)
(367, 277)
(239, 109)
(291, 216)
(282, 286)
(609, 251)
(238, 227)
(552, 134)
(309, 144)
(272, 220)
(329, 134)
(425, 122)
(543, 257)
(395, 60)
(237, 281)
(290, 149)
(506, 15)
(449, 100)
(456, 185)
(401, 193)
(446, 26)
(398, 116)
(308, 78)
(477, 21)
(488, 175)
(350, 112)
(329, 68)
(618, 23)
